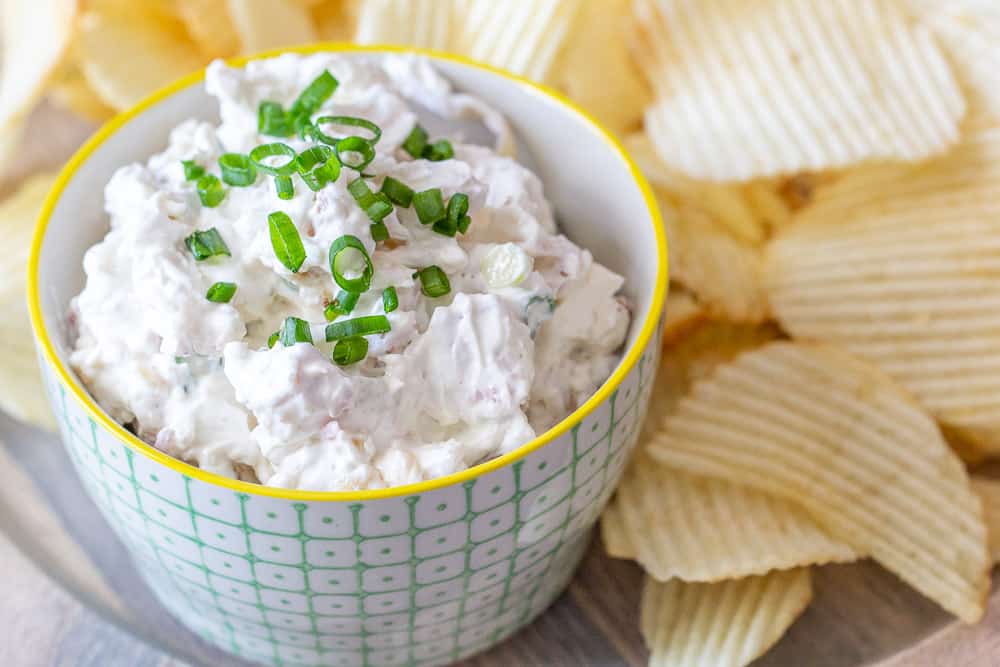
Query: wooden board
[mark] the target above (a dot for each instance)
(861, 616)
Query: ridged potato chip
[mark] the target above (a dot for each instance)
(210, 26)
(268, 24)
(423, 23)
(21, 392)
(335, 19)
(799, 85)
(71, 91)
(680, 312)
(725, 624)
(616, 539)
(723, 272)
(836, 435)
(128, 50)
(595, 69)
(900, 265)
(989, 493)
(34, 36)
(703, 529)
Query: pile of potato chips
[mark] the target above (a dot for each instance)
(829, 174)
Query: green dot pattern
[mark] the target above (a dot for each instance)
(304, 584)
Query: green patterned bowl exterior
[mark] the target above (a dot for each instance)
(422, 575)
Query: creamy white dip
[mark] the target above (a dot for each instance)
(458, 379)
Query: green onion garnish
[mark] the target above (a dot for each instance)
(445, 227)
(350, 121)
(273, 338)
(438, 151)
(294, 331)
(354, 146)
(351, 350)
(272, 120)
(311, 99)
(277, 149)
(433, 281)
(286, 241)
(389, 299)
(318, 166)
(221, 292)
(284, 187)
(237, 169)
(192, 170)
(463, 224)
(416, 141)
(399, 193)
(457, 219)
(343, 304)
(302, 126)
(207, 244)
(429, 206)
(210, 190)
(379, 231)
(375, 204)
(359, 326)
(341, 251)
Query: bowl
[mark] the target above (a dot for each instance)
(421, 574)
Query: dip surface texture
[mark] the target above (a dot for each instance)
(531, 326)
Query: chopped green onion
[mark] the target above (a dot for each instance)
(458, 206)
(416, 141)
(356, 146)
(294, 331)
(379, 231)
(221, 292)
(445, 227)
(192, 170)
(272, 339)
(272, 120)
(375, 204)
(237, 169)
(277, 149)
(359, 326)
(342, 305)
(433, 281)
(207, 244)
(284, 186)
(389, 299)
(286, 241)
(318, 166)
(429, 206)
(463, 224)
(399, 193)
(438, 151)
(350, 121)
(210, 190)
(302, 126)
(340, 253)
(349, 351)
(311, 99)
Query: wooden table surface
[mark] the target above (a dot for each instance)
(861, 615)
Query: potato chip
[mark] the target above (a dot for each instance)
(21, 392)
(71, 91)
(128, 49)
(523, 36)
(335, 20)
(422, 23)
(268, 24)
(681, 312)
(702, 529)
(724, 273)
(595, 68)
(899, 264)
(800, 85)
(989, 492)
(725, 624)
(210, 26)
(820, 428)
(35, 35)
(616, 539)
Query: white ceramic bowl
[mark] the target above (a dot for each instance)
(422, 574)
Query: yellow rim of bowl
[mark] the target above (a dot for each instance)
(602, 394)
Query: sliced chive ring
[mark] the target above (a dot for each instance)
(221, 292)
(398, 192)
(206, 244)
(318, 166)
(433, 281)
(237, 169)
(272, 120)
(273, 338)
(285, 241)
(312, 96)
(438, 151)
(379, 231)
(343, 304)
(276, 149)
(294, 330)
(429, 206)
(284, 186)
(340, 252)
(355, 145)
(416, 141)
(390, 300)
(375, 204)
(358, 326)
(349, 351)
(192, 170)
(349, 121)
(210, 190)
